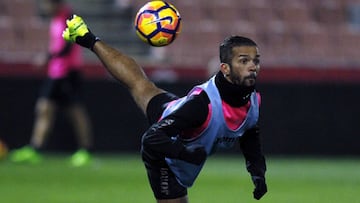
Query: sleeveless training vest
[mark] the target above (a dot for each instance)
(216, 135)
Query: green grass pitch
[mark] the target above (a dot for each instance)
(122, 178)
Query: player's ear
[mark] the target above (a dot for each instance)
(225, 69)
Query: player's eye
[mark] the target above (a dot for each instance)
(244, 61)
(256, 61)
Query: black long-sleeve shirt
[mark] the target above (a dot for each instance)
(193, 114)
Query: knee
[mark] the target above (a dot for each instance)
(147, 153)
(145, 144)
(44, 109)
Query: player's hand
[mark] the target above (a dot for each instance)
(260, 186)
(77, 31)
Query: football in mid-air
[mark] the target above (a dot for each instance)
(158, 23)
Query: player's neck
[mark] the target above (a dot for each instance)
(234, 95)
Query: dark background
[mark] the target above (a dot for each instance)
(305, 118)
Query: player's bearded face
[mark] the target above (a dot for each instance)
(244, 66)
(248, 80)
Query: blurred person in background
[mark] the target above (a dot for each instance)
(61, 91)
(185, 131)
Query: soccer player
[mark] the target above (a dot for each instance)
(185, 131)
(60, 91)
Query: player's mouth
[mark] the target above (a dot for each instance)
(251, 78)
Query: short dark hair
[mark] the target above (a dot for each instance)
(229, 43)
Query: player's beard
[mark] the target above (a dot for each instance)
(247, 81)
(236, 95)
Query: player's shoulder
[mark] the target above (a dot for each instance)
(198, 95)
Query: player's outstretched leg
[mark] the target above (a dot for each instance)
(127, 71)
(122, 67)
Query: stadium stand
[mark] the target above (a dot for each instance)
(289, 33)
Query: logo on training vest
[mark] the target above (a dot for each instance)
(221, 140)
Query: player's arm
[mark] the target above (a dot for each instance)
(190, 115)
(255, 161)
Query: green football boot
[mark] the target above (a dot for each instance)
(25, 154)
(80, 158)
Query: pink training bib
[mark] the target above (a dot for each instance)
(60, 66)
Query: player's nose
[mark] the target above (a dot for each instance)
(253, 67)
